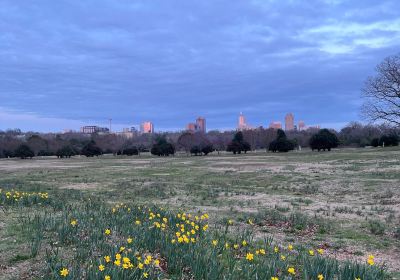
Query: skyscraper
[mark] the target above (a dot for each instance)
(289, 122)
(242, 122)
(201, 124)
(147, 127)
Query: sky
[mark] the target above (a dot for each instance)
(66, 63)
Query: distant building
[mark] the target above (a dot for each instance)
(192, 127)
(201, 124)
(289, 122)
(147, 127)
(242, 124)
(301, 126)
(275, 125)
(198, 126)
(94, 129)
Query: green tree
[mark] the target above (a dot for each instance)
(23, 152)
(324, 140)
(281, 143)
(162, 148)
(90, 150)
(238, 145)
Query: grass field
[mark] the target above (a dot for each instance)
(346, 202)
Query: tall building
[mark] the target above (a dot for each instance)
(275, 125)
(289, 122)
(242, 124)
(201, 124)
(301, 126)
(147, 127)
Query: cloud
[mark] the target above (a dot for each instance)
(169, 61)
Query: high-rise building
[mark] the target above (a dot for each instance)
(201, 124)
(242, 124)
(289, 122)
(147, 127)
(275, 125)
(301, 126)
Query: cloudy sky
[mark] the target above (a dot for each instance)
(66, 63)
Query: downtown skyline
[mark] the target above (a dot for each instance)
(66, 65)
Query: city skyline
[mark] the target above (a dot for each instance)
(67, 64)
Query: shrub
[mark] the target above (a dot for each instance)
(207, 149)
(162, 148)
(65, 152)
(130, 151)
(281, 143)
(23, 151)
(238, 145)
(324, 140)
(90, 150)
(376, 227)
(375, 142)
(389, 140)
(195, 150)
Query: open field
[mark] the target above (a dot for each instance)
(346, 201)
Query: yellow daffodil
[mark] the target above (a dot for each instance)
(291, 270)
(107, 231)
(311, 252)
(74, 222)
(320, 277)
(290, 247)
(101, 267)
(320, 251)
(215, 242)
(145, 275)
(107, 259)
(274, 278)
(249, 256)
(64, 272)
(129, 240)
(107, 277)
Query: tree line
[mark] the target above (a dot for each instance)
(14, 143)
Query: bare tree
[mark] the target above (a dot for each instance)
(382, 92)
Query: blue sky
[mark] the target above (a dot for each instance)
(64, 63)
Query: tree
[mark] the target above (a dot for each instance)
(65, 152)
(195, 150)
(281, 143)
(382, 92)
(90, 150)
(207, 149)
(324, 140)
(23, 152)
(162, 148)
(130, 151)
(238, 145)
(389, 140)
(375, 142)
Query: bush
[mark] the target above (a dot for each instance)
(195, 150)
(45, 153)
(90, 150)
(130, 151)
(65, 152)
(281, 143)
(207, 149)
(162, 148)
(389, 140)
(324, 140)
(238, 145)
(23, 152)
(376, 227)
(375, 142)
